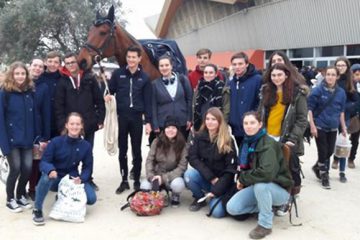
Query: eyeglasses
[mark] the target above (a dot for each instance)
(341, 65)
(70, 63)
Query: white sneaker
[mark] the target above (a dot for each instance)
(13, 206)
(24, 203)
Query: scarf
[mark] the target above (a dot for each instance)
(209, 95)
(248, 146)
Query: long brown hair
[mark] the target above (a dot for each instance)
(298, 77)
(9, 84)
(164, 144)
(269, 90)
(73, 114)
(223, 139)
(348, 76)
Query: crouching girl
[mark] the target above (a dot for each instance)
(166, 162)
(212, 155)
(63, 156)
(263, 179)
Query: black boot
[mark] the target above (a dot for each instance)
(316, 170)
(325, 183)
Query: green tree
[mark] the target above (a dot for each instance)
(34, 27)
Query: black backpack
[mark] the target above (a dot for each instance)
(155, 48)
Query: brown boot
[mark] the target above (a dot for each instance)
(335, 164)
(351, 164)
(259, 232)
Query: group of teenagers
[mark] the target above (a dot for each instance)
(209, 133)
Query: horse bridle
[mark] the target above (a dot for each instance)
(106, 44)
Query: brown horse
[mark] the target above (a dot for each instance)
(107, 38)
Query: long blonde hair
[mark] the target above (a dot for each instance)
(9, 84)
(223, 138)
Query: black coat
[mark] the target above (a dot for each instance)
(205, 157)
(87, 100)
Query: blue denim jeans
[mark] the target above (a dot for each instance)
(197, 184)
(258, 198)
(342, 163)
(46, 183)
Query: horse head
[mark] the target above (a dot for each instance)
(106, 38)
(101, 40)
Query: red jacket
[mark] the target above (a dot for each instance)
(197, 74)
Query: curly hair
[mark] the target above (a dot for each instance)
(299, 78)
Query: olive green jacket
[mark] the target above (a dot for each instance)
(295, 119)
(267, 165)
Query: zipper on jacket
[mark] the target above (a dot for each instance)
(237, 85)
(131, 92)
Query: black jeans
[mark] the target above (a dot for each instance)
(325, 143)
(130, 123)
(354, 138)
(20, 162)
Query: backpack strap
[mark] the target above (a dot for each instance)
(328, 102)
(181, 80)
(214, 206)
(293, 203)
(126, 205)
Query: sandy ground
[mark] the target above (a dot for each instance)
(325, 214)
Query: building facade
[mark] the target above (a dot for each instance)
(311, 32)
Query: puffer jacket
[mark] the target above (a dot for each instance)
(157, 163)
(205, 157)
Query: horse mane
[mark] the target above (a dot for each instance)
(129, 35)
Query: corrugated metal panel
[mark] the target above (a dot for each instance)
(281, 25)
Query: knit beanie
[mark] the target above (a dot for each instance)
(171, 121)
(355, 67)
